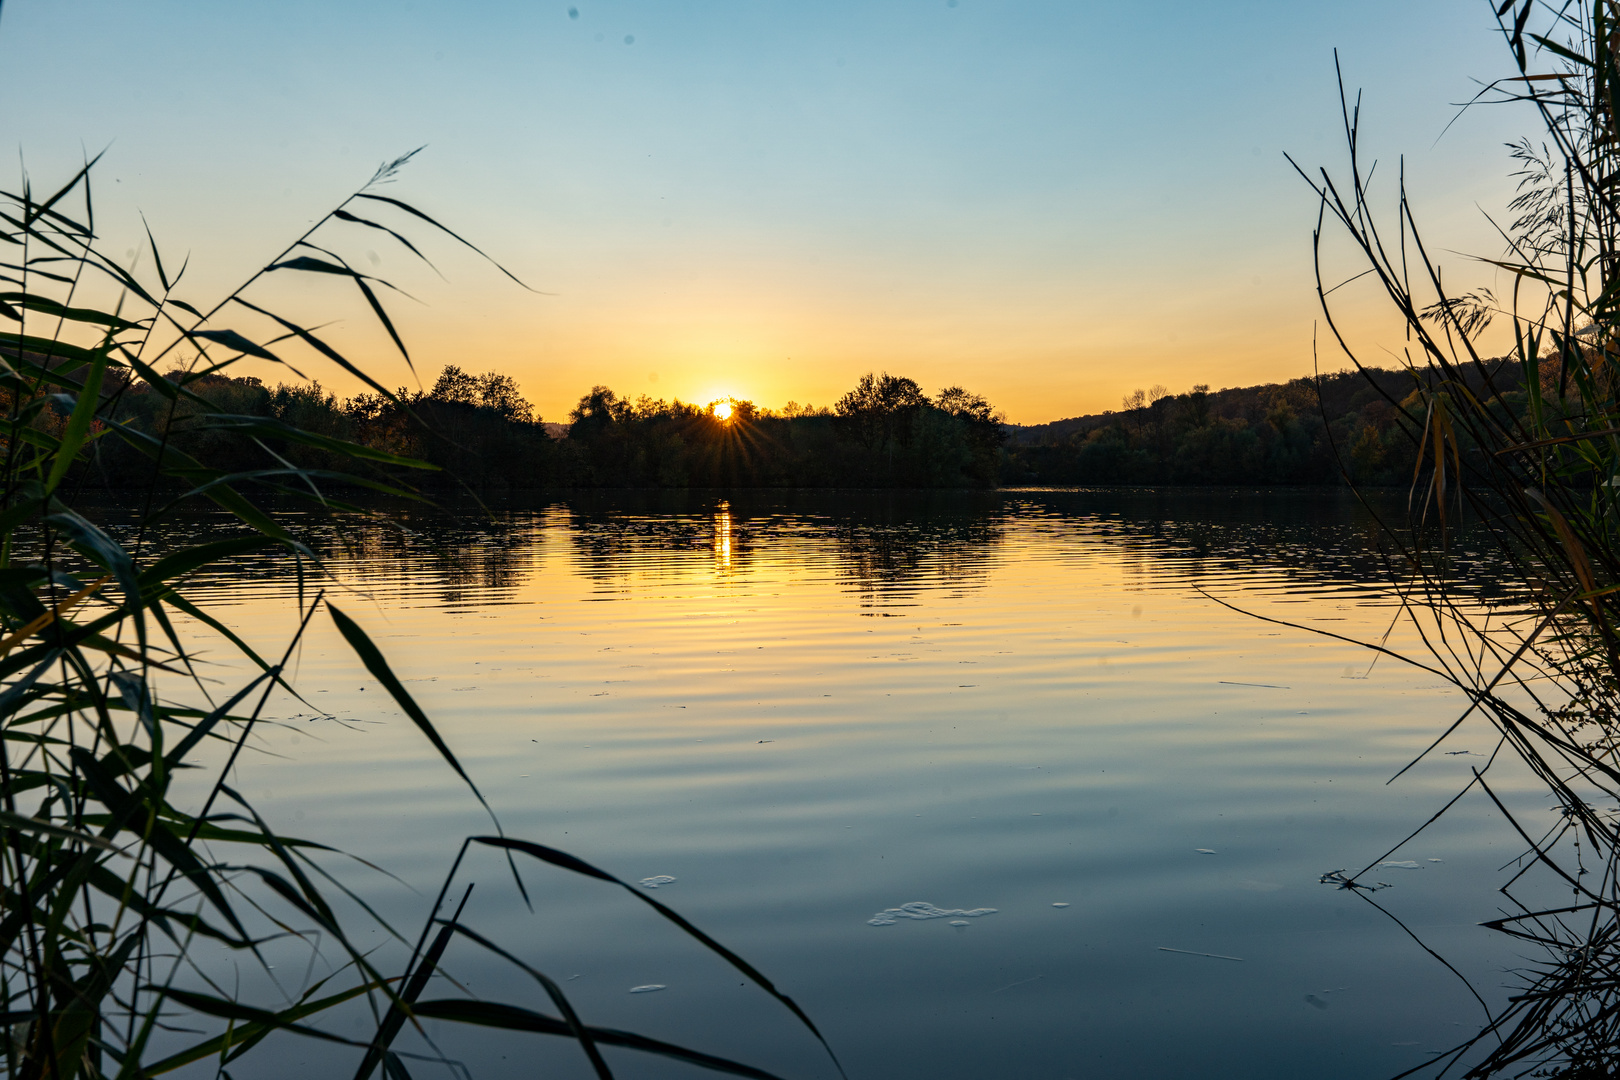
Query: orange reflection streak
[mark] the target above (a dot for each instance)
(722, 538)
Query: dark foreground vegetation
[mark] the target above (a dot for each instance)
(144, 901)
(1531, 444)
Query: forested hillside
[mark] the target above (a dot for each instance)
(1307, 431)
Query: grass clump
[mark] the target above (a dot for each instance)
(124, 875)
(1529, 443)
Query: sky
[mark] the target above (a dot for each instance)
(1049, 203)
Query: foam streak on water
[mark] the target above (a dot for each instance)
(921, 910)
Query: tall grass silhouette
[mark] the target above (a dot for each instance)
(122, 874)
(1529, 444)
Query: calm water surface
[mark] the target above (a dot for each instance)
(807, 710)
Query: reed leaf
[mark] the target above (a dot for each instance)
(113, 873)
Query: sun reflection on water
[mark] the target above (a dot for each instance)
(722, 537)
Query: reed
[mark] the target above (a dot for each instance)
(122, 887)
(1529, 443)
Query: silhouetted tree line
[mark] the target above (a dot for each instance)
(480, 431)
(1307, 431)
(885, 432)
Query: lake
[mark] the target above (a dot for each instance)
(1024, 710)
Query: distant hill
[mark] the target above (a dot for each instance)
(1228, 402)
(1305, 431)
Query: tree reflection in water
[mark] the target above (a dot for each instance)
(880, 546)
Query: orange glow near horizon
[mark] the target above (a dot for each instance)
(724, 204)
(722, 410)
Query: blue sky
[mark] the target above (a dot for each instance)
(1051, 203)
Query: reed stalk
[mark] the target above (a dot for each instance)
(128, 897)
(1529, 444)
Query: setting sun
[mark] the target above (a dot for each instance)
(722, 410)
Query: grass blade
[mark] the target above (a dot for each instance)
(511, 1018)
(78, 425)
(375, 663)
(569, 862)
